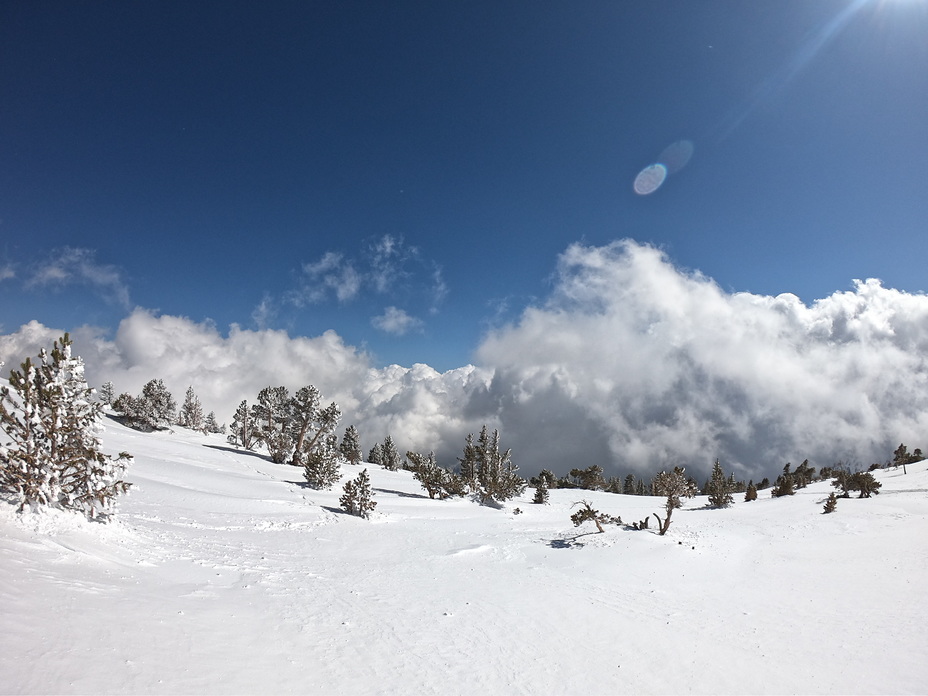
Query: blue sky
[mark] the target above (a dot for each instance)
(229, 160)
(231, 195)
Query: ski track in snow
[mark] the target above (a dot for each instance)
(223, 573)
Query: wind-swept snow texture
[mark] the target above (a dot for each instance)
(223, 573)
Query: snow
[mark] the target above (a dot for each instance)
(223, 573)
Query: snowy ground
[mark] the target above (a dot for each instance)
(224, 574)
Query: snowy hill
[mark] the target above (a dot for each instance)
(224, 574)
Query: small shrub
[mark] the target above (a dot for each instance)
(831, 503)
(356, 497)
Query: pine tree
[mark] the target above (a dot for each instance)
(831, 503)
(350, 446)
(191, 413)
(673, 484)
(107, 393)
(272, 416)
(497, 480)
(153, 409)
(244, 428)
(541, 493)
(719, 488)
(751, 493)
(629, 487)
(375, 456)
(390, 455)
(309, 424)
(211, 425)
(357, 496)
(322, 467)
(469, 464)
(53, 457)
(784, 484)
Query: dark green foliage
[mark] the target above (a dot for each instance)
(350, 446)
(436, 480)
(590, 478)
(309, 424)
(842, 481)
(548, 477)
(390, 456)
(628, 487)
(864, 482)
(153, 409)
(322, 464)
(831, 503)
(272, 418)
(244, 428)
(357, 496)
(784, 484)
(803, 475)
(493, 478)
(50, 451)
(191, 413)
(541, 494)
(675, 485)
(764, 484)
(719, 488)
(588, 514)
(613, 485)
(751, 493)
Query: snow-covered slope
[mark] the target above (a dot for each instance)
(224, 574)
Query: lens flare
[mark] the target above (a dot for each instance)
(650, 179)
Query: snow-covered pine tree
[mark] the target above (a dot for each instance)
(436, 480)
(390, 455)
(107, 393)
(541, 493)
(719, 488)
(211, 425)
(470, 463)
(158, 404)
(497, 480)
(830, 503)
(375, 456)
(350, 446)
(53, 454)
(309, 423)
(357, 496)
(272, 416)
(191, 413)
(244, 431)
(673, 484)
(322, 464)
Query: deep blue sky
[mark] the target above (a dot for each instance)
(201, 158)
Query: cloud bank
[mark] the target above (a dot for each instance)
(630, 363)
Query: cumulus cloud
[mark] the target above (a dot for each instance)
(70, 266)
(396, 321)
(630, 363)
(657, 367)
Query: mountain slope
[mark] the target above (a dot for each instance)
(224, 574)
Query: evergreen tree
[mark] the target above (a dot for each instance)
(321, 466)
(244, 428)
(640, 488)
(191, 413)
(51, 451)
(865, 482)
(751, 493)
(675, 485)
(350, 446)
(357, 496)
(211, 425)
(153, 409)
(470, 464)
(107, 393)
(784, 483)
(719, 488)
(831, 503)
(390, 455)
(590, 478)
(272, 417)
(375, 456)
(436, 480)
(541, 493)
(629, 487)
(308, 423)
(497, 480)
(546, 477)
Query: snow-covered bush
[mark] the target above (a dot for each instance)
(675, 485)
(50, 453)
(322, 466)
(488, 472)
(153, 409)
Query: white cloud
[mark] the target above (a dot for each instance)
(630, 363)
(7, 271)
(69, 265)
(396, 321)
